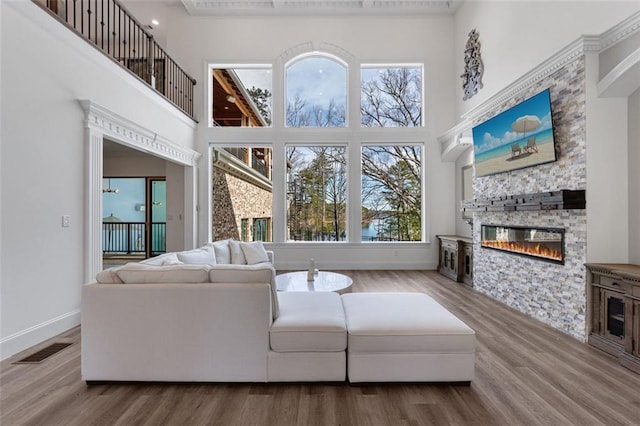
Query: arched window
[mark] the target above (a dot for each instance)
(316, 92)
(328, 177)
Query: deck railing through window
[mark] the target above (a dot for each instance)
(131, 238)
(111, 28)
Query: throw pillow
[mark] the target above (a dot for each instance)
(254, 252)
(200, 256)
(237, 255)
(222, 251)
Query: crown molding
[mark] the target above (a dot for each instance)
(586, 44)
(570, 53)
(135, 136)
(620, 32)
(320, 7)
(622, 80)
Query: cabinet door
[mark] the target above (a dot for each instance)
(613, 318)
(636, 328)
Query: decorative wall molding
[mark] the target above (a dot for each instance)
(565, 56)
(585, 44)
(620, 32)
(322, 47)
(100, 123)
(312, 7)
(135, 136)
(623, 79)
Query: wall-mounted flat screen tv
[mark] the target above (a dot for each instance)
(519, 137)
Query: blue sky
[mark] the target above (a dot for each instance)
(317, 80)
(497, 131)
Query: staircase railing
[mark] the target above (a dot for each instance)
(108, 26)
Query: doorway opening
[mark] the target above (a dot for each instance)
(134, 218)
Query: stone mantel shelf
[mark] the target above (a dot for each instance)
(563, 199)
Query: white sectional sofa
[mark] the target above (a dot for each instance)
(211, 322)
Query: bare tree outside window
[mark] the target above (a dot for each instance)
(391, 97)
(391, 193)
(316, 193)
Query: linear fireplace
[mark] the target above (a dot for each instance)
(540, 243)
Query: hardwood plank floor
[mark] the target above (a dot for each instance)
(526, 374)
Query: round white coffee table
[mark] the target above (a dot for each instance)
(324, 281)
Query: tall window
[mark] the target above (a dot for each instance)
(391, 97)
(392, 193)
(316, 93)
(241, 97)
(316, 193)
(322, 146)
(242, 193)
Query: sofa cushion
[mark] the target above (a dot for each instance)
(237, 256)
(254, 252)
(403, 323)
(162, 260)
(260, 273)
(199, 256)
(139, 273)
(109, 276)
(309, 321)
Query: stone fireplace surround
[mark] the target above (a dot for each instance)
(578, 76)
(552, 293)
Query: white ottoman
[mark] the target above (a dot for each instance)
(406, 337)
(308, 339)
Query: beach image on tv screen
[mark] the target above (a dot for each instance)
(519, 137)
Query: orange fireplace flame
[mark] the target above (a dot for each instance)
(532, 249)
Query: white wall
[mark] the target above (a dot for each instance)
(607, 173)
(634, 178)
(253, 40)
(465, 159)
(516, 36)
(46, 69)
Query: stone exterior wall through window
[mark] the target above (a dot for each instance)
(235, 199)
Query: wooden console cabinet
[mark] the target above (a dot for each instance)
(613, 311)
(456, 258)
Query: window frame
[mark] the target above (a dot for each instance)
(322, 55)
(354, 136)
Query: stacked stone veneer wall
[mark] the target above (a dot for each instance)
(235, 199)
(554, 294)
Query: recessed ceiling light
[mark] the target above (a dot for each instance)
(155, 22)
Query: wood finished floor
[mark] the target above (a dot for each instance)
(526, 374)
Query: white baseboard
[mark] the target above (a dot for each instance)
(32, 336)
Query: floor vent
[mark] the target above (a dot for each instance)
(43, 354)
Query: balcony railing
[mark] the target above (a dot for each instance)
(108, 26)
(257, 163)
(131, 238)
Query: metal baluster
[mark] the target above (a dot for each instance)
(95, 21)
(102, 24)
(89, 20)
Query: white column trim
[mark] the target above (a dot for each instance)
(102, 123)
(93, 214)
